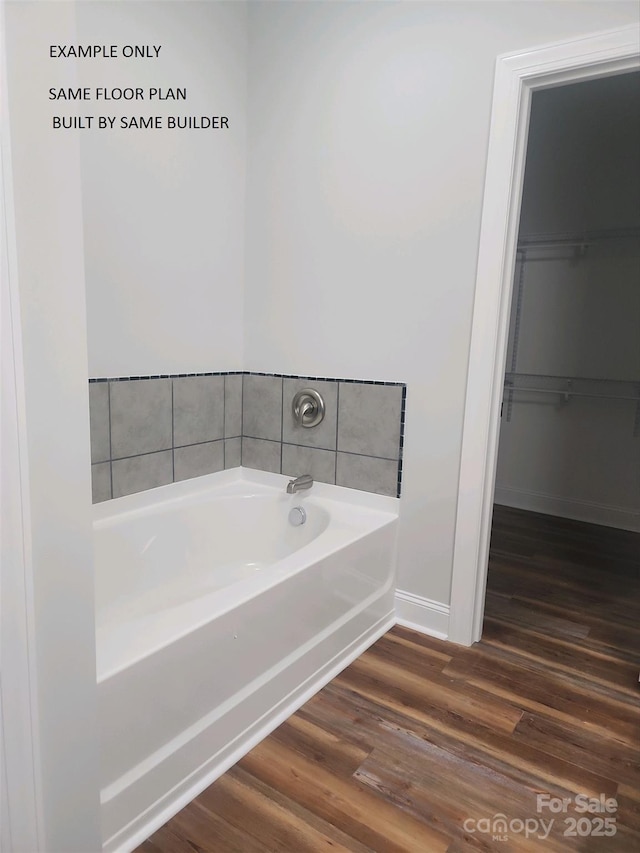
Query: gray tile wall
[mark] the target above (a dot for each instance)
(149, 432)
(358, 444)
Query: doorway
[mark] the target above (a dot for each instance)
(571, 409)
(564, 563)
(517, 78)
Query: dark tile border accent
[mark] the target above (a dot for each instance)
(279, 376)
(170, 376)
(247, 373)
(401, 448)
(110, 451)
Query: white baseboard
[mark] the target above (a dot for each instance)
(422, 614)
(610, 516)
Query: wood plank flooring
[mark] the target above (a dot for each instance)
(419, 743)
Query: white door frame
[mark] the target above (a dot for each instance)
(48, 695)
(21, 816)
(517, 76)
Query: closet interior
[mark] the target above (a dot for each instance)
(570, 429)
(564, 568)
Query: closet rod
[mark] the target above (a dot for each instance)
(570, 393)
(576, 238)
(559, 244)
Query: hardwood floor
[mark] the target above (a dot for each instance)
(419, 743)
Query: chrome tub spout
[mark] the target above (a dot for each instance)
(305, 481)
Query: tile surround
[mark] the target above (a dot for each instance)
(323, 435)
(232, 406)
(140, 417)
(137, 473)
(321, 464)
(370, 420)
(198, 459)
(232, 452)
(101, 481)
(99, 422)
(198, 409)
(366, 473)
(262, 454)
(262, 407)
(152, 430)
(149, 431)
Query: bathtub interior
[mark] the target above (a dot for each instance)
(152, 557)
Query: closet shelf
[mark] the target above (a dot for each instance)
(572, 386)
(579, 240)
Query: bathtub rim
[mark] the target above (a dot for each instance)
(234, 481)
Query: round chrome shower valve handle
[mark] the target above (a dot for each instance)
(297, 516)
(308, 408)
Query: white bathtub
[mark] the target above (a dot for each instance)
(216, 619)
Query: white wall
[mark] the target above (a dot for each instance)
(50, 596)
(164, 209)
(368, 129)
(579, 317)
